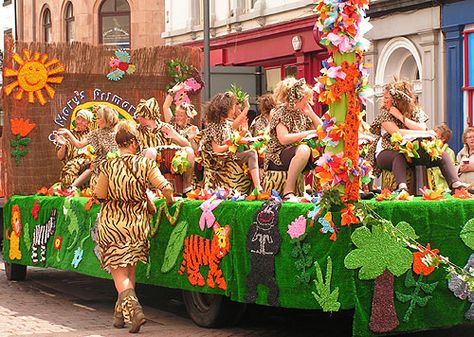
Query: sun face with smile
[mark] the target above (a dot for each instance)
(33, 75)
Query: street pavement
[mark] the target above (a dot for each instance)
(59, 303)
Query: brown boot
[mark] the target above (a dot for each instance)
(119, 322)
(132, 310)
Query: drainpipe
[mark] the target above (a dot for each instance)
(207, 67)
(33, 21)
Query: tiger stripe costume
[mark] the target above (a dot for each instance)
(123, 229)
(199, 251)
(73, 162)
(221, 169)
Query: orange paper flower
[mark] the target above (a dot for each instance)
(348, 216)
(425, 260)
(22, 127)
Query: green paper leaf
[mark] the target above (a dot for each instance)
(14, 142)
(306, 248)
(467, 233)
(409, 280)
(407, 230)
(327, 300)
(422, 301)
(294, 252)
(429, 287)
(24, 141)
(403, 297)
(26, 235)
(175, 244)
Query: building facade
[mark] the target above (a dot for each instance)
(275, 34)
(118, 23)
(278, 35)
(407, 44)
(7, 26)
(458, 28)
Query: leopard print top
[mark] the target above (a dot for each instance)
(384, 115)
(294, 121)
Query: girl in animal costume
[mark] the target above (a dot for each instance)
(401, 113)
(123, 230)
(101, 139)
(291, 122)
(219, 130)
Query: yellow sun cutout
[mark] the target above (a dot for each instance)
(33, 75)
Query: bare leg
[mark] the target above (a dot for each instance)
(297, 164)
(121, 279)
(255, 174)
(131, 274)
(188, 175)
(150, 153)
(82, 178)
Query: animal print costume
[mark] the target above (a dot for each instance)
(73, 162)
(123, 222)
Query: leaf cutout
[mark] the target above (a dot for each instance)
(175, 244)
(467, 233)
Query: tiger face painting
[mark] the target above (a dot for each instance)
(199, 251)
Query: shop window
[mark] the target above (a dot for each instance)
(69, 22)
(469, 73)
(291, 71)
(272, 76)
(114, 19)
(47, 26)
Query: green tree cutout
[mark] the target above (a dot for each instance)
(379, 256)
(326, 298)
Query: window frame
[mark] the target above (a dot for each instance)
(467, 88)
(114, 14)
(46, 26)
(69, 20)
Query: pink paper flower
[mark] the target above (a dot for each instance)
(297, 227)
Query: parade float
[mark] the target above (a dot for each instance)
(398, 262)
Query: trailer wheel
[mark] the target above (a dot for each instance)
(212, 311)
(15, 272)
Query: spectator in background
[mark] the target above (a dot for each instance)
(443, 133)
(465, 157)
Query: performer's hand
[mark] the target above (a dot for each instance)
(63, 132)
(60, 140)
(192, 132)
(466, 168)
(246, 102)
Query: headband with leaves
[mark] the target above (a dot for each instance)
(296, 92)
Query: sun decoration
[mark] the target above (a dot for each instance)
(33, 75)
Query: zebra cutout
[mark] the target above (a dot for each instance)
(41, 236)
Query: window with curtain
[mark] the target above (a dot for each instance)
(69, 22)
(114, 19)
(47, 27)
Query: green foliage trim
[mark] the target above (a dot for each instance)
(327, 299)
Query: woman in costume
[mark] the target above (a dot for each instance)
(292, 121)
(219, 130)
(123, 230)
(400, 113)
(266, 103)
(74, 162)
(101, 139)
(153, 133)
(184, 113)
(465, 157)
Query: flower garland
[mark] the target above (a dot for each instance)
(343, 24)
(344, 78)
(409, 148)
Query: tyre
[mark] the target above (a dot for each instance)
(212, 311)
(15, 272)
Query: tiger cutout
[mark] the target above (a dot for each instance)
(199, 251)
(14, 237)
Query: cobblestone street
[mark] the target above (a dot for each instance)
(58, 303)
